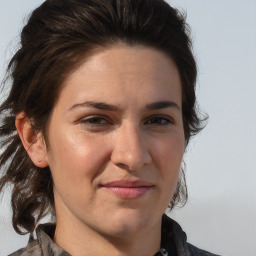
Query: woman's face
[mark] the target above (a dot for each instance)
(116, 141)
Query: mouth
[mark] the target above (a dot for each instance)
(126, 189)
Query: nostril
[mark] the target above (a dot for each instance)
(127, 167)
(131, 164)
(123, 166)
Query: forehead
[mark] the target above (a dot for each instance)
(122, 70)
(137, 58)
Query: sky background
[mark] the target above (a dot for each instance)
(221, 161)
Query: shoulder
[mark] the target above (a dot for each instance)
(42, 244)
(194, 251)
(33, 248)
(21, 252)
(36, 242)
(172, 233)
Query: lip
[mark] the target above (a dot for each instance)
(128, 189)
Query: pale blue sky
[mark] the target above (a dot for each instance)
(221, 162)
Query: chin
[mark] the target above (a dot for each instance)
(129, 222)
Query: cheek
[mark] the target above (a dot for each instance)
(74, 157)
(168, 158)
(169, 153)
(76, 161)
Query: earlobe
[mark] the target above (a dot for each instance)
(32, 140)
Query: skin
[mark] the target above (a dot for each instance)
(127, 138)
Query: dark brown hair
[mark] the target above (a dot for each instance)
(57, 37)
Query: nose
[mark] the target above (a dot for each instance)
(131, 150)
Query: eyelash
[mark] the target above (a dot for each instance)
(92, 120)
(167, 120)
(101, 121)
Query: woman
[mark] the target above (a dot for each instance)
(101, 109)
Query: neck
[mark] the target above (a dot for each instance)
(79, 239)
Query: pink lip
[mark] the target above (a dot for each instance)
(126, 189)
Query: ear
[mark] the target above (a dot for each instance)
(32, 140)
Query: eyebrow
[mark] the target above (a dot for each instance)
(110, 107)
(97, 105)
(162, 105)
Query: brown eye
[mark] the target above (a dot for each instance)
(95, 121)
(159, 120)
